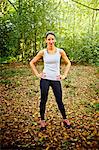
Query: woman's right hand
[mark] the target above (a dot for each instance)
(41, 75)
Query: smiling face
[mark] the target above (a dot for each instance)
(50, 40)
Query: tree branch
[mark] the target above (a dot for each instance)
(58, 5)
(97, 9)
(1, 1)
(12, 5)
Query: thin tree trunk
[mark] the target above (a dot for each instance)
(19, 18)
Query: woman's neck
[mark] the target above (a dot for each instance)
(51, 48)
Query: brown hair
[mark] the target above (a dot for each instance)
(50, 32)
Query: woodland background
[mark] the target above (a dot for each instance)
(23, 25)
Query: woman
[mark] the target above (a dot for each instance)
(50, 76)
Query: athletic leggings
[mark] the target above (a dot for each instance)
(56, 87)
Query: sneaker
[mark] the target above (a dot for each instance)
(66, 123)
(42, 125)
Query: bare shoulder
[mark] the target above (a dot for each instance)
(62, 52)
(38, 56)
(64, 56)
(41, 52)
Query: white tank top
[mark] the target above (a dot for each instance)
(51, 69)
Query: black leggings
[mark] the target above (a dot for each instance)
(56, 87)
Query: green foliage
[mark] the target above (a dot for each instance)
(85, 51)
(96, 106)
(8, 59)
(5, 81)
(23, 29)
(8, 73)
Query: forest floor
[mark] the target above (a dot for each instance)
(20, 97)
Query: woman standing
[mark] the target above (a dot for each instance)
(50, 76)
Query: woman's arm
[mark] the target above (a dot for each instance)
(34, 60)
(67, 62)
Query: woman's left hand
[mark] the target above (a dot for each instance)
(62, 77)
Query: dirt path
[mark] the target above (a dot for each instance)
(20, 99)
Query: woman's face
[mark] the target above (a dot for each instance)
(50, 40)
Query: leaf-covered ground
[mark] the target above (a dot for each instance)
(20, 97)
